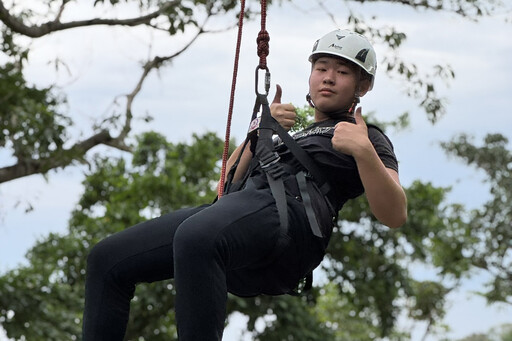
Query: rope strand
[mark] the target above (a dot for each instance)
(263, 51)
(263, 37)
(220, 188)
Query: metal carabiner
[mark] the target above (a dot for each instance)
(257, 82)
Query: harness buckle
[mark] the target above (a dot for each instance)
(269, 160)
(270, 164)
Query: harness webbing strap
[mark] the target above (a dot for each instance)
(304, 159)
(279, 194)
(269, 160)
(306, 199)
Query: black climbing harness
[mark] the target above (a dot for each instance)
(262, 128)
(261, 131)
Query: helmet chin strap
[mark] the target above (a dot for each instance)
(336, 113)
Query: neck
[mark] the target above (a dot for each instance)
(337, 114)
(334, 115)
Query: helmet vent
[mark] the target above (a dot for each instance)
(361, 55)
(316, 45)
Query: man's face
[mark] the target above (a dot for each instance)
(333, 83)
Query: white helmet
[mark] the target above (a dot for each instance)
(348, 45)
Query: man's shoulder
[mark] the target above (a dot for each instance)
(378, 136)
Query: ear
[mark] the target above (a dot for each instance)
(364, 86)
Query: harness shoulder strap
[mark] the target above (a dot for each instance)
(305, 160)
(269, 160)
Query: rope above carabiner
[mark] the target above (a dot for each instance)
(263, 51)
(263, 37)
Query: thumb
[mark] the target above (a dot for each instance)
(359, 117)
(277, 96)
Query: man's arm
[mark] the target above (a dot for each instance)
(382, 188)
(386, 196)
(243, 165)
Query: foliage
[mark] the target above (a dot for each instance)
(487, 240)
(366, 263)
(34, 120)
(500, 333)
(420, 86)
(365, 280)
(305, 117)
(31, 124)
(476, 337)
(21, 24)
(369, 262)
(47, 295)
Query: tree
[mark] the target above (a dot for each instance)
(23, 132)
(368, 280)
(487, 240)
(500, 333)
(476, 337)
(47, 296)
(162, 176)
(367, 265)
(34, 126)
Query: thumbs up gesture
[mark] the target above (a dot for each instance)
(284, 114)
(350, 138)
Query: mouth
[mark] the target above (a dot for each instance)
(325, 91)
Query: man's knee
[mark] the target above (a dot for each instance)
(194, 241)
(100, 258)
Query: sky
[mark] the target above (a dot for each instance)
(191, 95)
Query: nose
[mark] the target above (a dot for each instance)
(328, 78)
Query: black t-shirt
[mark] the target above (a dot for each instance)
(339, 169)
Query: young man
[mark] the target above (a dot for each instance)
(239, 244)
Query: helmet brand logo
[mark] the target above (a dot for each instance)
(340, 37)
(337, 47)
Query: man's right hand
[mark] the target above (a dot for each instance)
(284, 114)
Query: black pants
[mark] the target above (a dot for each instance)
(235, 245)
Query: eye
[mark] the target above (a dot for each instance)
(344, 71)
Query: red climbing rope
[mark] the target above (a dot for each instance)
(220, 188)
(263, 37)
(263, 51)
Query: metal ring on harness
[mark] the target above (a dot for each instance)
(267, 80)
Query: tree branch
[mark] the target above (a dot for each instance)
(155, 63)
(38, 31)
(62, 159)
(61, 9)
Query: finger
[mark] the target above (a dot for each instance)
(288, 107)
(359, 116)
(289, 123)
(279, 92)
